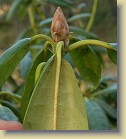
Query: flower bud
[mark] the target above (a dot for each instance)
(59, 27)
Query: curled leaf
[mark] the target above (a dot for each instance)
(38, 70)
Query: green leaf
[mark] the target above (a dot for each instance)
(46, 21)
(87, 64)
(7, 114)
(99, 51)
(68, 58)
(30, 80)
(78, 16)
(105, 79)
(82, 32)
(112, 89)
(38, 70)
(35, 49)
(109, 110)
(25, 64)
(114, 45)
(11, 57)
(59, 3)
(16, 97)
(26, 32)
(81, 5)
(56, 102)
(96, 116)
(113, 54)
(12, 107)
(13, 9)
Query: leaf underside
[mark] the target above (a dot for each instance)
(109, 110)
(61, 109)
(7, 114)
(96, 116)
(30, 80)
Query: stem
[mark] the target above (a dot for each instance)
(31, 16)
(32, 19)
(92, 15)
(88, 42)
(43, 37)
(46, 48)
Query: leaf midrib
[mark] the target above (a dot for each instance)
(56, 88)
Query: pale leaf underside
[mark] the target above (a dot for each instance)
(62, 107)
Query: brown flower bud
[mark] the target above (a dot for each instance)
(59, 27)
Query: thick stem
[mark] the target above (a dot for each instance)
(92, 15)
(46, 45)
(88, 42)
(43, 37)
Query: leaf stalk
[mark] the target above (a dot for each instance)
(88, 42)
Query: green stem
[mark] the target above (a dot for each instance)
(58, 44)
(92, 15)
(88, 42)
(32, 19)
(31, 16)
(46, 48)
(43, 37)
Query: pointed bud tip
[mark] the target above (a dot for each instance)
(59, 27)
(58, 11)
(58, 8)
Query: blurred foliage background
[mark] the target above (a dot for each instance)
(104, 24)
(25, 18)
